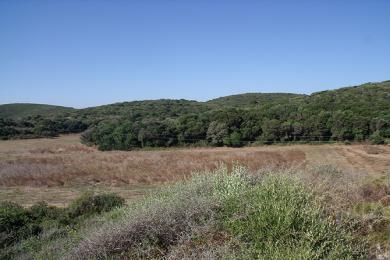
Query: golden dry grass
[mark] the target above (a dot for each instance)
(58, 169)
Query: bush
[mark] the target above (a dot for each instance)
(12, 216)
(20, 227)
(41, 211)
(86, 137)
(271, 217)
(90, 204)
(148, 229)
(15, 223)
(217, 215)
(280, 217)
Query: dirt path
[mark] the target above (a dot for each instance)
(361, 160)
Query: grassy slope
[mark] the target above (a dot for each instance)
(21, 110)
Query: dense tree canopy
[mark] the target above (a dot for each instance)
(353, 114)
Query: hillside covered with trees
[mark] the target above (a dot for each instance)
(22, 110)
(347, 114)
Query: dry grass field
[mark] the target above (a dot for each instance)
(57, 170)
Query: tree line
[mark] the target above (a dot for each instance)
(235, 127)
(39, 126)
(348, 114)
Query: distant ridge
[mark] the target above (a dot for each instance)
(22, 110)
(250, 99)
(354, 113)
(327, 99)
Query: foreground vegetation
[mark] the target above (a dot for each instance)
(347, 114)
(27, 229)
(270, 214)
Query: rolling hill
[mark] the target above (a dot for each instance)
(354, 113)
(255, 99)
(22, 110)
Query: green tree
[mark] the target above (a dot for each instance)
(216, 133)
(234, 140)
(271, 130)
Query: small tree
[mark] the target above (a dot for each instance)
(217, 132)
(235, 140)
(86, 137)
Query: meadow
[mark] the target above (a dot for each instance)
(59, 169)
(307, 201)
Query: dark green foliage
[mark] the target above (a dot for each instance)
(17, 223)
(271, 131)
(12, 216)
(38, 126)
(234, 140)
(255, 99)
(45, 127)
(41, 211)
(346, 114)
(90, 204)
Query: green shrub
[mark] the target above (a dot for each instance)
(280, 217)
(41, 211)
(15, 223)
(27, 230)
(12, 216)
(89, 204)
(270, 216)
(217, 215)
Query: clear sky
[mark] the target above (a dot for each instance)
(88, 52)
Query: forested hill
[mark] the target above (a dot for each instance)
(354, 113)
(256, 99)
(23, 110)
(371, 99)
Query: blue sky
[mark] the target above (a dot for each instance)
(85, 53)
